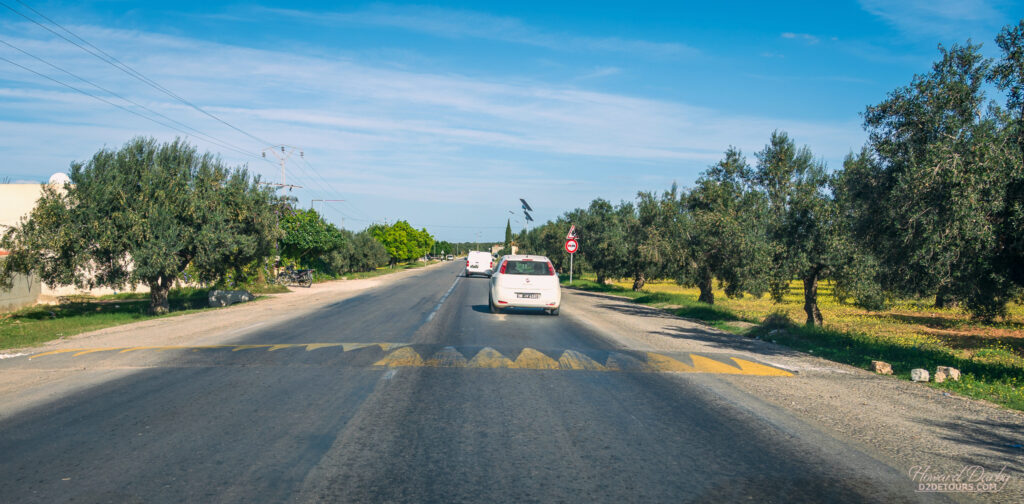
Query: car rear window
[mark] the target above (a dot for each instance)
(527, 268)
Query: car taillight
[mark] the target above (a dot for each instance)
(551, 269)
(502, 271)
(467, 263)
(492, 264)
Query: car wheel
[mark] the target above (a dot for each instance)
(555, 311)
(490, 302)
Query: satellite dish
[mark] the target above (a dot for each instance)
(59, 179)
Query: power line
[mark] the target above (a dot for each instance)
(126, 109)
(331, 186)
(127, 69)
(112, 61)
(205, 136)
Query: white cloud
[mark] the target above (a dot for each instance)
(806, 37)
(953, 18)
(392, 140)
(452, 23)
(599, 72)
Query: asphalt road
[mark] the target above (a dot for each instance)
(297, 417)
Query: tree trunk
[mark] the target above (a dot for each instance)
(706, 284)
(601, 279)
(811, 300)
(944, 299)
(638, 281)
(158, 303)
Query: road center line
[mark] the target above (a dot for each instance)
(441, 302)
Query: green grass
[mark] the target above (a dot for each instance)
(41, 323)
(83, 313)
(904, 336)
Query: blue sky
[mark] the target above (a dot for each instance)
(445, 114)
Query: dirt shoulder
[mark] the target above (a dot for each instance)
(23, 388)
(903, 424)
(223, 324)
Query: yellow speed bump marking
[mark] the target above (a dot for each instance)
(313, 346)
(447, 357)
(532, 359)
(755, 368)
(490, 358)
(573, 360)
(405, 355)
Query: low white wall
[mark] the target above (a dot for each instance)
(24, 292)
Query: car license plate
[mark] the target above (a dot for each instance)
(527, 295)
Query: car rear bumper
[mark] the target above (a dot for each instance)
(509, 299)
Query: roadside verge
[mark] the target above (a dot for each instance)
(904, 424)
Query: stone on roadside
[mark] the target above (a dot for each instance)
(919, 374)
(943, 373)
(219, 298)
(881, 367)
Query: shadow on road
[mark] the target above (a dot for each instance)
(1004, 440)
(708, 335)
(510, 311)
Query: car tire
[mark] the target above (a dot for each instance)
(554, 311)
(490, 303)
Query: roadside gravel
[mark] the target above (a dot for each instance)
(903, 424)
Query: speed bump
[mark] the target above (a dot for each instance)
(392, 355)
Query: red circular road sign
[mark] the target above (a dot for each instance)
(571, 246)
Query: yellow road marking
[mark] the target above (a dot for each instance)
(754, 368)
(571, 359)
(532, 359)
(94, 350)
(55, 352)
(623, 362)
(703, 364)
(660, 362)
(447, 357)
(404, 355)
(313, 346)
(490, 358)
(250, 347)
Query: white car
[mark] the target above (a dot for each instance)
(479, 263)
(524, 281)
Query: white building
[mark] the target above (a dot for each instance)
(16, 202)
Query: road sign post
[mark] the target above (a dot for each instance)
(571, 246)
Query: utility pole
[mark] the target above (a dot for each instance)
(286, 152)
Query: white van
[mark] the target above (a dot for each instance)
(479, 263)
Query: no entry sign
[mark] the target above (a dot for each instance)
(571, 246)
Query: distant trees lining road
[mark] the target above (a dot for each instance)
(932, 205)
(148, 212)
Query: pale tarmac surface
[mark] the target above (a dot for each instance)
(329, 424)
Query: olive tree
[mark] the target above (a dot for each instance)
(941, 185)
(140, 215)
(725, 235)
(805, 231)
